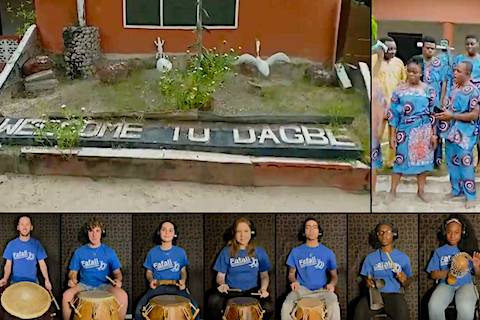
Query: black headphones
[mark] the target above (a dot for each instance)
(157, 232)
(447, 222)
(252, 228)
(387, 223)
(86, 229)
(301, 234)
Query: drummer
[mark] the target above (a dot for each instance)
(22, 255)
(238, 266)
(165, 262)
(94, 261)
(308, 270)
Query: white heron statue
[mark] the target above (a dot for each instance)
(163, 64)
(262, 65)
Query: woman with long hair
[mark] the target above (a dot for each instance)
(457, 235)
(238, 267)
(413, 130)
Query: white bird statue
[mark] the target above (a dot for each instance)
(162, 63)
(262, 65)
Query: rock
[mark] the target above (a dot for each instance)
(39, 76)
(112, 72)
(37, 64)
(41, 85)
(318, 75)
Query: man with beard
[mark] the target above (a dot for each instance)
(458, 125)
(22, 255)
(93, 262)
(308, 271)
(391, 73)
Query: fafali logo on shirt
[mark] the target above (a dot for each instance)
(380, 266)
(174, 266)
(94, 263)
(445, 260)
(242, 261)
(24, 255)
(311, 261)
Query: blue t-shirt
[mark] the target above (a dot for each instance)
(24, 256)
(242, 271)
(166, 264)
(441, 260)
(376, 264)
(94, 264)
(312, 264)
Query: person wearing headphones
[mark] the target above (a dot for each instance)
(22, 255)
(94, 262)
(457, 235)
(308, 265)
(165, 263)
(378, 265)
(238, 266)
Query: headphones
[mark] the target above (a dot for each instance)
(175, 236)
(252, 228)
(86, 229)
(387, 223)
(448, 221)
(301, 233)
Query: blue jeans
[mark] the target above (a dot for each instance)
(465, 300)
(161, 290)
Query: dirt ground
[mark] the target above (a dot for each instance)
(76, 194)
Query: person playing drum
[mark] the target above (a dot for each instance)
(457, 235)
(165, 262)
(238, 266)
(94, 261)
(378, 265)
(22, 255)
(308, 270)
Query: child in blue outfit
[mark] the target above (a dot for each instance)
(377, 266)
(93, 262)
(238, 267)
(456, 235)
(165, 262)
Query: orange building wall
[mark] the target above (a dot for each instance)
(301, 28)
(460, 11)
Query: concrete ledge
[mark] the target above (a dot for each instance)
(178, 165)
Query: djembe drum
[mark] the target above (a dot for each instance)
(243, 308)
(26, 300)
(459, 267)
(169, 307)
(310, 309)
(96, 305)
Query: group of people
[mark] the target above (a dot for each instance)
(243, 269)
(430, 104)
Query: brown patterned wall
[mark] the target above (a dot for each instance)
(119, 238)
(190, 227)
(429, 227)
(359, 225)
(46, 229)
(335, 237)
(215, 226)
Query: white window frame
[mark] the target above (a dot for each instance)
(175, 27)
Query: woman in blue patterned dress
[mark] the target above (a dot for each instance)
(414, 130)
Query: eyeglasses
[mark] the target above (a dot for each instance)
(381, 233)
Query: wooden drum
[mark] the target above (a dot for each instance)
(243, 309)
(169, 307)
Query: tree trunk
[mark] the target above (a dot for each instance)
(81, 13)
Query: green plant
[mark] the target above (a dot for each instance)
(194, 87)
(66, 133)
(25, 13)
(374, 28)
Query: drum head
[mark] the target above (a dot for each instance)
(95, 296)
(308, 303)
(169, 300)
(26, 300)
(242, 301)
